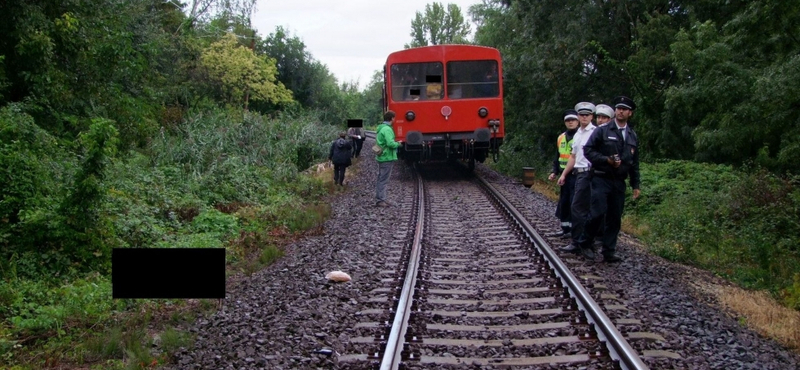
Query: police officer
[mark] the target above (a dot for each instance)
(604, 114)
(613, 151)
(564, 144)
(578, 166)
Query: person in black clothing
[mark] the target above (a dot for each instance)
(357, 137)
(340, 157)
(613, 150)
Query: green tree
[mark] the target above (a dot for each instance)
(700, 72)
(733, 93)
(312, 84)
(239, 73)
(87, 237)
(295, 65)
(493, 21)
(439, 25)
(72, 61)
(370, 108)
(200, 10)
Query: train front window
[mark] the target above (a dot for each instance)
(417, 81)
(472, 79)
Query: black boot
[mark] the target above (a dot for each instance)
(611, 258)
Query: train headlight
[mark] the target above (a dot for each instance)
(483, 112)
(410, 116)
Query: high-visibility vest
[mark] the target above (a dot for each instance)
(564, 149)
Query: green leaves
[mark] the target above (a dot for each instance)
(439, 26)
(711, 82)
(239, 74)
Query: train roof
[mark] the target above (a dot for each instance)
(443, 52)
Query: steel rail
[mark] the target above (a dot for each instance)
(392, 356)
(618, 347)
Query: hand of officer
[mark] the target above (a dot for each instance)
(614, 161)
(551, 177)
(635, 193)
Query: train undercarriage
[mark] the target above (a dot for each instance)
(467, 147)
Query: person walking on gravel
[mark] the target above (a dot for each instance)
(357, 137)
(384, 139)
(340, 157)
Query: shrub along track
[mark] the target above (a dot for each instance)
(289, 317)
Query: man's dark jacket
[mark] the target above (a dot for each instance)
(607, 141)
(340, 152)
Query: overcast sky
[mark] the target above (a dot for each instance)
(352, 37)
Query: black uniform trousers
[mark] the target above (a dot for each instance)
(581, 203)
(564, 207)
(608, 201)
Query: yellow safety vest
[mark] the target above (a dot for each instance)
(564, 149)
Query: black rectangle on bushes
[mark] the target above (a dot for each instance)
(355, 123)
(168, 273)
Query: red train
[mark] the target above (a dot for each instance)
(448, 100)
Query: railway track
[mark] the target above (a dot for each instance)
(472, 283)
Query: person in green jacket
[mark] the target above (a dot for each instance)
(384, 138)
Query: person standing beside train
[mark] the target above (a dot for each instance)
(564, 145)
(578, 166)
(613, 151)
(384, 138)
(339, 155)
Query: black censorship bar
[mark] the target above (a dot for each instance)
(168, 273)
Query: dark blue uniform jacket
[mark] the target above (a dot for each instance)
(607, 141)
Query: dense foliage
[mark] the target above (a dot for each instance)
(149, 123)
(712, 79)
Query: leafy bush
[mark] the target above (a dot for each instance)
(214, 221)
(34, 307)
(34, 168)
(743, 224)
(87, 235)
